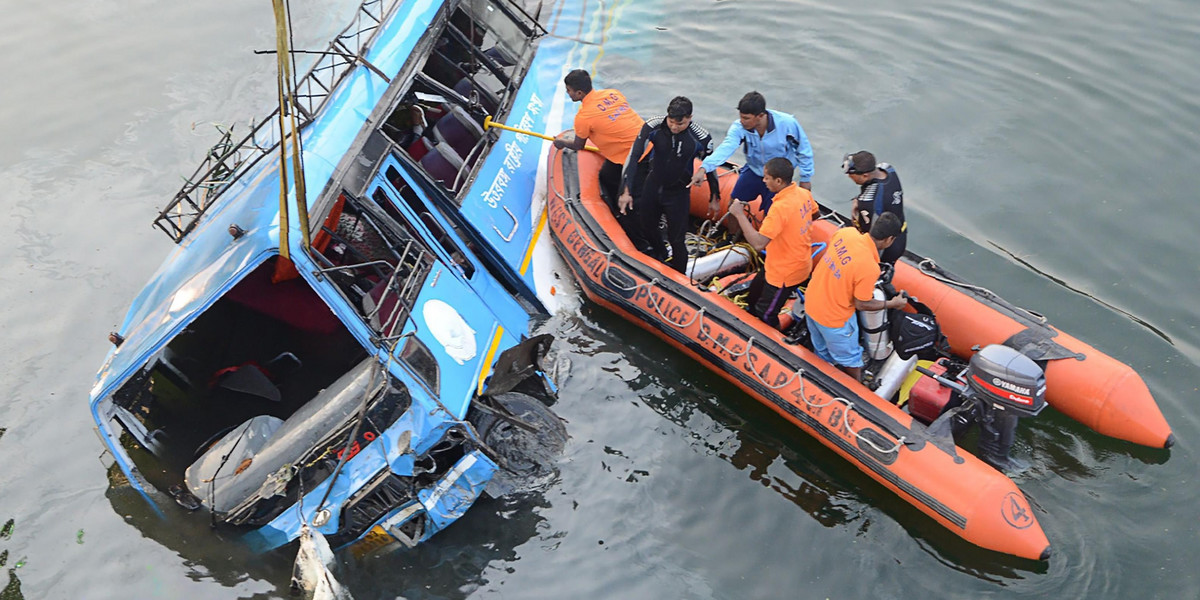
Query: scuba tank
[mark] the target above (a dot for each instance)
(734, 258)
(912, 336)
(893, 374)
(874, 323)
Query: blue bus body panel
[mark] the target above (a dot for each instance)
(464, 482)
(208, 262)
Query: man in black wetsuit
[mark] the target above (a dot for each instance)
(675, 143)
(879, 192)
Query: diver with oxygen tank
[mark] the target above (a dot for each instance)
(843, 282)
(879, 192)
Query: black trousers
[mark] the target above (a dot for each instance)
(765, 300)
(675, 204)
(610, 185)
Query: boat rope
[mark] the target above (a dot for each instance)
(698, 242)
(709, 228)
(799, 375)
(654, 300)
(705, 241)
(699, 315)
(742, 300)
(835, 218)
(845, 418)
(928, 267)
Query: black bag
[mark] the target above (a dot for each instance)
(917, 334)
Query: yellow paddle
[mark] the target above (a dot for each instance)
(489, 123)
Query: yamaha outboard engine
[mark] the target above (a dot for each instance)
(1005, 385)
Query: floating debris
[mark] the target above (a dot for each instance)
(79, 537)
(311, 577)
(12, 591)
(3, 558)
(116, 477)
(2, 430)
(7, 530)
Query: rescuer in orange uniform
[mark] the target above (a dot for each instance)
(606, 119)
(784, 235)
(843, 281)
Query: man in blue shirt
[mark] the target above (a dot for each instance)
(763, 134)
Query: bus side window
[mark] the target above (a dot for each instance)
(414, 202)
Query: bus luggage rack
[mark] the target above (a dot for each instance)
(226, 160)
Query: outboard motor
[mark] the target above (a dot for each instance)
(1005, 385)
(998, 386)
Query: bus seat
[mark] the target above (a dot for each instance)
(459, 130)
(443, 163)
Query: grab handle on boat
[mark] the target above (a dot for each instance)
(516, 225)
(488, 123)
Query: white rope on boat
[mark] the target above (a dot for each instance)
(753, 369)
(845, 418)
(699, 314)
(799, 375)
(732, 354)
(927, 267)
(835, 218)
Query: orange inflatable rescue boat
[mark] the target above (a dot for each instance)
(1000, 363)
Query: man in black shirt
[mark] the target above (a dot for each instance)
(675, 143)
(879, 192)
